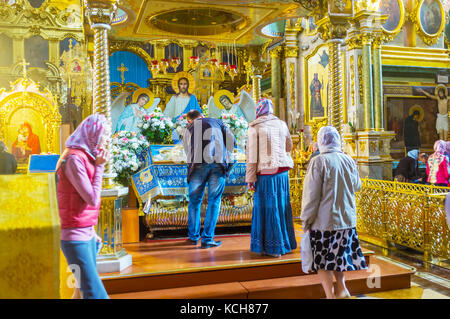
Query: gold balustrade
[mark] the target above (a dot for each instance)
(389, 212)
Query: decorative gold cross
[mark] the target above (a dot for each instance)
(24, 67)
(122, 69)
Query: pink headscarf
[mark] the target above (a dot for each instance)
(87, 135)
(439, 149)
(440, 146)
(264, 106)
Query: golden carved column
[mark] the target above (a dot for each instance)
(275, 55)
(293, 75)
(378, 84)
(333, 28)
(112, 256)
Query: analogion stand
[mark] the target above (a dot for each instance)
(112, 257)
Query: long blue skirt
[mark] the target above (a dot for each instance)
(272, 223)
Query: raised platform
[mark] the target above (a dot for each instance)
(173, 269)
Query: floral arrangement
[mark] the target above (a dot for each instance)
(180, 124)
(127, 149)
(238, 126)
(156, 127)
(205, 110)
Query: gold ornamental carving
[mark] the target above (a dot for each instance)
(292, 85)
(429, 33)
(25, 94)
(352, 79)
(316, 125)
(50, 21)
(362, 146)
(291, 52)
(360, 78)
(373, 146)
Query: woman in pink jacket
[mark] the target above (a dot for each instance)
(79, 174)
(437, 169)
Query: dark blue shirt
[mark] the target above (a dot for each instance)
(208, 140)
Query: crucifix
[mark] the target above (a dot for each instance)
(24, 67)
(122, 69)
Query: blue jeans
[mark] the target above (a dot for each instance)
(82, 256)
(213, 175)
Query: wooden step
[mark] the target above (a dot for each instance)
(242, 284)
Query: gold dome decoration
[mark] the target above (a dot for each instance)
(151, 96)
(188, 76)
(197, 21)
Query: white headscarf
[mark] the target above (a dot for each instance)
(328, 139)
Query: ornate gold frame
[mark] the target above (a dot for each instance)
(427, 38)
(390, 35)
(25, 93)
(308, 120)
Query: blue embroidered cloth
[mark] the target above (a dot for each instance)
(171, 180)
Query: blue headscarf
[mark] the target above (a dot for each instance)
(413, 154)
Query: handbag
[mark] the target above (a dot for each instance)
(306, 253)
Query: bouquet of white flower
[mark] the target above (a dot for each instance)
(181, 124)
(127, 148)
(238, 126)
(156, 127)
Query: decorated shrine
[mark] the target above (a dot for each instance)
(376, 70)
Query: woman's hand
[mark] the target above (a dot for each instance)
(98, 239)
(251, 186)
(102, 157)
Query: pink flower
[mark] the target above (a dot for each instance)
(147, 117)
(125, 139)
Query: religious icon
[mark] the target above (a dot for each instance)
(441, 96)
(315, 89)
(125, 118)
(393, 8)
(76, 67)
(222, 102)
(317, 92)
(26, 143)
(36, 51)
(431, 16)
(184, 100)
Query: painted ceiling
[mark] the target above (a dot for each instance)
(219, 21)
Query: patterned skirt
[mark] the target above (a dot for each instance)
(272, 223)
(337, 250)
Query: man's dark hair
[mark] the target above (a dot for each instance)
(416, 113)
(193, 115)
(424, 155)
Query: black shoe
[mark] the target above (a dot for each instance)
(192, 242)
(211, 243)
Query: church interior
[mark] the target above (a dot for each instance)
(376, 70)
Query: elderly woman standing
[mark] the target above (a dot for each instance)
(268, 162)
(329, 213)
